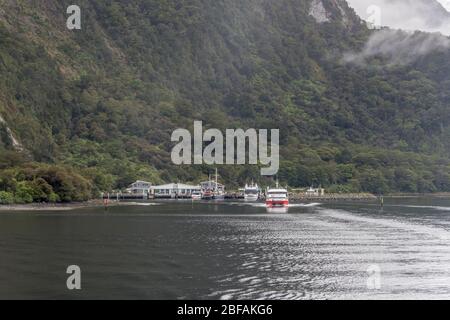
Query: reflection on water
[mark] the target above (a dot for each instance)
(277, 210)
(230, 250)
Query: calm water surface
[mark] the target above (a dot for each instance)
(180, 250)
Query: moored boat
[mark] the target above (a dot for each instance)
(219, 196)
(196, 195)
(208, 195)
(251, 192)
(213, 190)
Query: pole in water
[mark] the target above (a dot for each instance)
(105, 202)
(382, 201)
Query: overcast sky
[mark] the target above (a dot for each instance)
(445, 3)
(407, 14)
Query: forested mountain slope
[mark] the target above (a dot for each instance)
(93, 109)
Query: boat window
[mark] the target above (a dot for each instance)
(281, 194)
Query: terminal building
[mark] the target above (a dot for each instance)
(174, 191)
(139, 188)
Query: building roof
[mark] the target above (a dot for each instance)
(211, 183)
(139, 182)
(176, 186)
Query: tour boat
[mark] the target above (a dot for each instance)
(277, 197)
(196, 195)
(251, 192)
(213, 190)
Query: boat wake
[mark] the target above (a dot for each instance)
(424, 207)
(431, 231)
(326, 255)
(291, 205)
(304, 205)
(142, 204)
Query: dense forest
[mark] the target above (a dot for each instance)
(92, 110)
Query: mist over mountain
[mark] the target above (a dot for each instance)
(423, 15)
(93, 109)
(398, 47)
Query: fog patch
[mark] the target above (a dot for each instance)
(399, 47)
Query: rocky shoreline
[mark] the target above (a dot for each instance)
(48, 206)
(69, 206)
(56, 206)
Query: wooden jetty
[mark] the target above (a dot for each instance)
(125, 196)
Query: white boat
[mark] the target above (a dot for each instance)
(251, 192)
(196, 195)
(219, 196)
(212, 189)
(277, 197)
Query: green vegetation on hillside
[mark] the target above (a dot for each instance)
(95, 108)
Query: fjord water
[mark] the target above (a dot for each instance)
(230, 250)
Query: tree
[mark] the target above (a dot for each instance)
(373, 181)
(6, 197)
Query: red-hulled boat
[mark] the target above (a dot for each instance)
(277, 197)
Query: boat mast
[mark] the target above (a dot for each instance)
(216, 187)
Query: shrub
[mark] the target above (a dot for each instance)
(41, 190)
(6, 197)
(68, 185)
(24, 193)
(53, 197)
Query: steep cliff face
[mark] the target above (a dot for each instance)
(328, 10)
(319, 12)
(8, 138)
